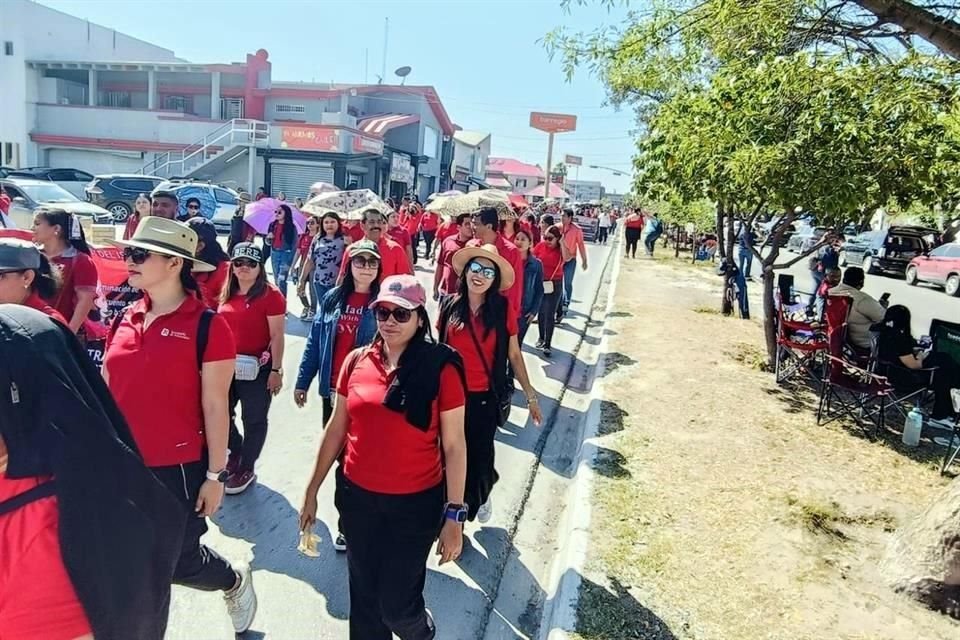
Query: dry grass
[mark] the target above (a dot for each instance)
(733, 516)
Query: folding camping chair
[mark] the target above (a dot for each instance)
(849, 390)
(952, 442)
(903, 397)
(800, 348)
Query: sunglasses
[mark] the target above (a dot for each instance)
(193, 206)
(244, 262)
(552, 238)
(136, 255)
(487, 272)
(311, 223)
(399, 314)
(364, 263)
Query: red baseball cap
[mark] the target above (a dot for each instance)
(402, 290)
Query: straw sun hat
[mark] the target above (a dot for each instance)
(166, 237)
(462, 257)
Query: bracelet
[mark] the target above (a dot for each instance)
(533, 400)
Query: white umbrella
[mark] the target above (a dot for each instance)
(349, 205)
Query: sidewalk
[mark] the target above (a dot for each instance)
(720, 509)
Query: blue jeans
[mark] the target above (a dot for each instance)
(319, 290)
(746, 261)
(281, 260)
(569, 270)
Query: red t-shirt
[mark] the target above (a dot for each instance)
(346, 338)
(400, 235)
(36, 302)
(78, 273)
(459, 338)
(430, 221)
(449, 280)
(354, 232)
(385, 453)
(634, 224)
(447, 229)
(154, 379)
(248, 319)
(211, 284)
(393, 259)
(511, 254)
(277, 235)
(552, 259)
(412, 222)
(303, 243)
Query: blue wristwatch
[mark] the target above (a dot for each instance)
(456, 512)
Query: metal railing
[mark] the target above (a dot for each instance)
(239, 131)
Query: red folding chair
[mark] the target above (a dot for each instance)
(800, 349)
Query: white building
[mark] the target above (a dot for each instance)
(584, 190)
(471, 149)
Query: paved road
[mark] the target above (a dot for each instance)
(308, 598)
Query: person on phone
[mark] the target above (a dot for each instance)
(255, 311)
(864, 310)
(478, 324)
(398, 417)
(169, 362)
(532, 282)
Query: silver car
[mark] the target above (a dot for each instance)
(28, 194)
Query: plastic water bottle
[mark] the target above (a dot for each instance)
(912, 427)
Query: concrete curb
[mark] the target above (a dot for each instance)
(566, 571)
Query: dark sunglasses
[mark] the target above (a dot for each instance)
(136, 255)
(399, 314)
(487, 272)
(364, 263)
(552, 238)
(244, 262)
(312, 222)
(193, 206)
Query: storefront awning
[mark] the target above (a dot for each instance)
(499, 183)
(379, 125)
(480, 183)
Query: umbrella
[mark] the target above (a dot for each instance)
(453, 206)
(208, 204)
(322, 187)
(349, 205)
(261, 213)
(444, 194)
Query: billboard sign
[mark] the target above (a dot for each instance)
(553, 122)
(310, 139)
(576, 161)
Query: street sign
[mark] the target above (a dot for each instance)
(576, 161)
(553, 122)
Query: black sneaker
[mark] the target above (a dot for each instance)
(539, 344)
(431, 624)
(340, 544)
(547, 352)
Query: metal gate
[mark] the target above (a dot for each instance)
(295, 178)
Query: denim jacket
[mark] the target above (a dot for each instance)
(318, 355)
(532, 286)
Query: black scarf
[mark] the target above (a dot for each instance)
(417, 382)
(120, 529)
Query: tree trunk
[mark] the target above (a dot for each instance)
(769, 314)
(721, 214)
(940, 31)
(923, 559)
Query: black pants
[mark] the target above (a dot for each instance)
(602, 233)
(547, 319)
(633, 237)
(254, 399)
(415, 244)
(946, 377)
(389, 540)
(480, 431)
(199, 566)
(327, 414)
(428, 237)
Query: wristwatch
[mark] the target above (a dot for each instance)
(220, 477)
(455, 512)
(280, 371)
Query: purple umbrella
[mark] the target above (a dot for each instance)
(261, 213)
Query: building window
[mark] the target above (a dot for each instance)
(115, 99)
(521, 183)
(183, 104)
(290, 108)
(231, 108)
(431, 139)
(7, 48)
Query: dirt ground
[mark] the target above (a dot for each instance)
(722, 511)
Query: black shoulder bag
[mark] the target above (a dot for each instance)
(503, 396)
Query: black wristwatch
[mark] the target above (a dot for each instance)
(455, 512)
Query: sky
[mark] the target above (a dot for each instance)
(483, 57)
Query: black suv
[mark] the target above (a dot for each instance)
(889, 250)
(117, 192)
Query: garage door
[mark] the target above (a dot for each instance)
(294, 179)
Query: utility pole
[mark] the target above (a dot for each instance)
(546, 187)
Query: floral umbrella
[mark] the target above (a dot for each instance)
(349, 205)
(453, 206)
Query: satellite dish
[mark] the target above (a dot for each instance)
(403, 72)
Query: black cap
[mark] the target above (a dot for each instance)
(247, 250)
(18, 255)
(205, 229)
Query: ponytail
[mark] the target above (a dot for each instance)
(69, 225)
(46, 281)
(187, 281)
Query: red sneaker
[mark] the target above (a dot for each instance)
(238, 482)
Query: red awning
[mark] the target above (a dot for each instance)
(555, 192)
(379, 125)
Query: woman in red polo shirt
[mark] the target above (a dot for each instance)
(398, 416)
(209, 251)
(551, 253)
(476, 323)
(62, 240)
(410, 219)
(429, 223)
(255, 311)
(169, 363)
(26, 277)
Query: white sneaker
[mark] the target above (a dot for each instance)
(242, 601)
(485, 512)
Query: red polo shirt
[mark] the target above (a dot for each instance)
(36, 302)
(430, 221)
(447, 229)
(211, 284)
(354, 232)
(400, 235)
(449, 280)
(385, 453)
(248, 319)
(155, 382)
(78, 273)
(393, 259)
(459, 338)
(552, 259)
(412, 221)
(511, 254)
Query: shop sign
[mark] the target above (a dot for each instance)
(553, 122)
(400, 168)
(576, 161)
(367, 145)
(310, 139)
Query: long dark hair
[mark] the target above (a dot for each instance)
(331, 214)
(289, 228)
(896, 321)
(339, 295)
(46, 281)
(187, 281)
(491, 311)
(233, 286)
(56, 217)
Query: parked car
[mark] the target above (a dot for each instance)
(72, 180)
(224, 197)
(888, 250)
(940, 266)
(806, 238)
(26, 195)
(117, 192)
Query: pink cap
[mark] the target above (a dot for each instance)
(402, 290)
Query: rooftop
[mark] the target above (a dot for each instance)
(511, 167)
(470, 138)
